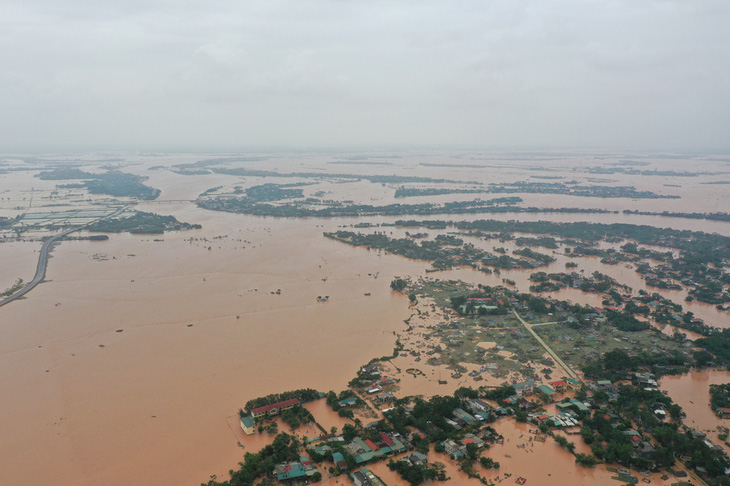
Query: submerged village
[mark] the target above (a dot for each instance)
(475, 361)
(538, 350)
(581, 379)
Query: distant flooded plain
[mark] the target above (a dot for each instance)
(129, 364)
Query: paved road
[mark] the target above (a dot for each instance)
(40, 271)
(552, 353)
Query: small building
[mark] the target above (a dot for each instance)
(546, 391)
(274, 408)
(364, 477)
(385, 398)
(248, 425)
(348, 402)
(463, 415)
(339, 460)
(524, 388)
(558, 386)
(477, 405)
(722, 411)
(579, 406)
(417, 459)
(454, 449)
(294, 470)
(572, 383)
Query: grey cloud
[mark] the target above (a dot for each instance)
(82, 74)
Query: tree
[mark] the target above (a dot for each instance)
(398, 284)
(412, 297)
(349, 432)
(317, 477)
(585, 459)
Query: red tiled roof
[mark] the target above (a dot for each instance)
(557, 383)
(274, 406)
(388, 441)
(467, 441)
(371, 444)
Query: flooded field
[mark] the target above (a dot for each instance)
(129, 363)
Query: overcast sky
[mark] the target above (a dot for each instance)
(227, 75)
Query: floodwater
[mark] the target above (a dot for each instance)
(692, 392)
(129, 364)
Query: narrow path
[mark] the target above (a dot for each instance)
(552, 353)
(40, 271)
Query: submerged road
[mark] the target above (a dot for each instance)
(552, 353)
(40, 271)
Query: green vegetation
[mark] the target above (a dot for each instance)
(261, 464)
(113, 183)
(564, 442)
(141, 223)
(708, 216)
(416, 474)
(718, 345)
(273, 192)
(720, 397)
(13, 288)
(296, 416)
(571, 189)
(415, 192)
(444, 251)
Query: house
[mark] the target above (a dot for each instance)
(477, 405)
(572, 383)
(371, 370)
(385, 398)
(603, 385)
(364, 477)
(722, 411)
(524, 388)
(462, 415)
(339, 460)
(417, 459)
(248, 424)
(646, 380)
(452, 423)
(348, 402)
(579, 406)
(454, 449)
(472, 439)
(274, 408)
(558, 386)
(546, 391)
(294, 470)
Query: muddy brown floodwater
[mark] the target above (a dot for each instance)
(129, 363)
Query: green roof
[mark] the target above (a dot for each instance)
(546, 389)
(247, 421)
(364, 457)
(397, 446)
(581, 406)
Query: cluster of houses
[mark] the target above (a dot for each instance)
(301, 469)
(365, 477)
(457, 448)
(364, 451)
